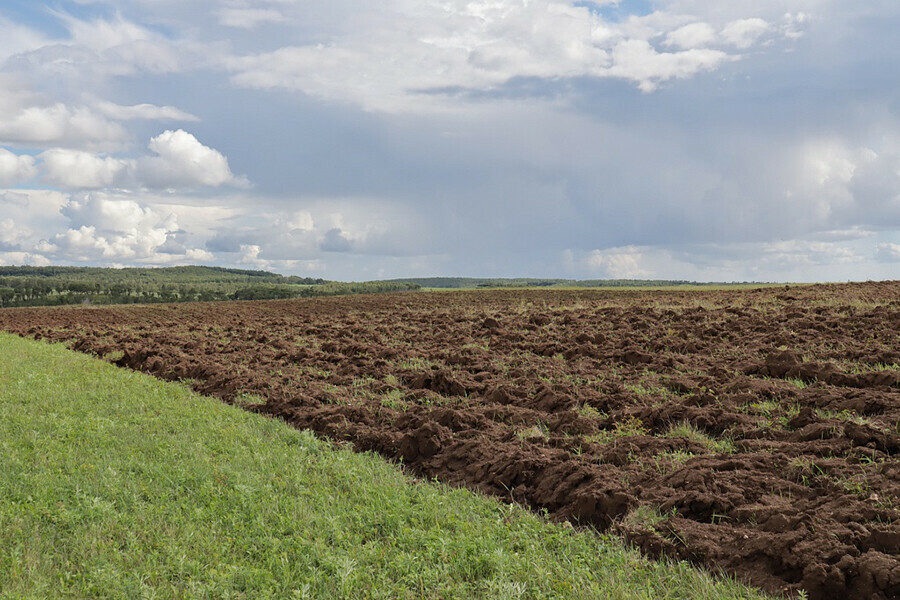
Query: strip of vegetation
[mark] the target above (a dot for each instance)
(525, 282)
(117, 485)
(51, 286)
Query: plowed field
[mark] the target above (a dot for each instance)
(756, 431)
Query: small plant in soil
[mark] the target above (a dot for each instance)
(763, 407)
(797, 382)
(667, 462)
(113, 356)
(646, 518)
(629, 426)
(590, 412)
(842, 415)
(535, 432)
(245, 400)
(393, 399)
(690, 432)
(417, 364)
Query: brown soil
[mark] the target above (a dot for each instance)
(763, 425)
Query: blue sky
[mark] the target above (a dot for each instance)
(681, 139)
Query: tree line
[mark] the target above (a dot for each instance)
(54, 286)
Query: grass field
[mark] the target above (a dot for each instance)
(116, 485)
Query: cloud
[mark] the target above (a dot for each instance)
(301, 220)
(406, 47)
(336, 240)
(802, 259)
(27, 216)
(874, 184)
(105, 228)
(250, 256)
(15, 169)
(29, 119)
(57, 124)
(16, 38)
(182, 161)
(887, 252)
(144, 112)
(191, 256)
(79, 169)
(83, 244)
(120, 46)
(791, 254)
(618, 263)
(855, 232)
(326, 231)
(99, 49)
(102, 34)
(11, 235)
(24, 258)
(743, 33)
(114, 214)
(694, 35)
(792, 25)
(638, 61)
(249, 18)
(35, 203)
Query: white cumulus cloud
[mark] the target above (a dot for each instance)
(24, 258)
(80, 169)
(182, 161)
(250, 256)
(637, 60)
(12, 235)
(109, 228)
(28, 119)
(301, 220)
(618, 263)
(179, 160)
(694, 35)
(15, 169)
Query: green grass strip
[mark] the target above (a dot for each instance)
(116, 485)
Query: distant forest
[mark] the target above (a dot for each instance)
(474, 282)
(49, 286)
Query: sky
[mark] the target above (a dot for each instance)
(357, 140)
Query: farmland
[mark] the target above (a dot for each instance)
(114, 484)
(751, 430)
